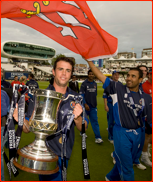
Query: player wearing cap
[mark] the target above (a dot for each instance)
(109, 108)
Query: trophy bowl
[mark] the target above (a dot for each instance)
(37, 157)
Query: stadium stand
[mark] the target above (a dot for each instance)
(46, 69)
(10, 67)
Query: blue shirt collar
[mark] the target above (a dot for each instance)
(68, 90)
(89, 81)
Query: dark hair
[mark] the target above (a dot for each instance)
(89, 71)
(142, 66)
(51, 81)
(66, 59)
(15, 76)
(137, 69)
(31, 75)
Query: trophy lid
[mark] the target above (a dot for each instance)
(47, 93)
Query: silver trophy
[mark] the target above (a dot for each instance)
(36, 157)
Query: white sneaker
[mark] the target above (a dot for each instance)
(111, 141)
(149, 155)
(145, 159)
(98, 140)
(106, 179)
(112, 154)
(140, 166)
(114, 161)
(85, 135)
(149, 145)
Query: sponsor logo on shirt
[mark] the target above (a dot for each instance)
(91, 89)
(137, 106)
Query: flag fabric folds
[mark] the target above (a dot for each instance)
(70, 23)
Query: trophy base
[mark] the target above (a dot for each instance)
(37, 165)
(42, 172)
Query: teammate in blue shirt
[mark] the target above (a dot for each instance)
(32, 84)
(62, 71)
(4, 83)
(109, 108)
(89, 92)
(131, 107)
(5, 105)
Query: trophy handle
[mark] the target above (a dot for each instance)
(77, 99)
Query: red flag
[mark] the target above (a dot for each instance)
(70, 23)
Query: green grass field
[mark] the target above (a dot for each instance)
(100, 161)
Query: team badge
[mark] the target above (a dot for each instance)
(140, 101)
(72, 104)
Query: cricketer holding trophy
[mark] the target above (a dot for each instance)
(62, 71)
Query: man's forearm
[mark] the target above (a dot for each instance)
(26, 126)
(78, 123)
(97, 72)
(105, 102)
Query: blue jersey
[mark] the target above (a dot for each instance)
(5, 103)
(122, 109)
(32, 84)
(108, 97)
(65, 107)
(5, 84)
(89, 91)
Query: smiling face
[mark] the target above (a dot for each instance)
(62, 73)
(133, 80)
(115, 77)
(91, 76)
